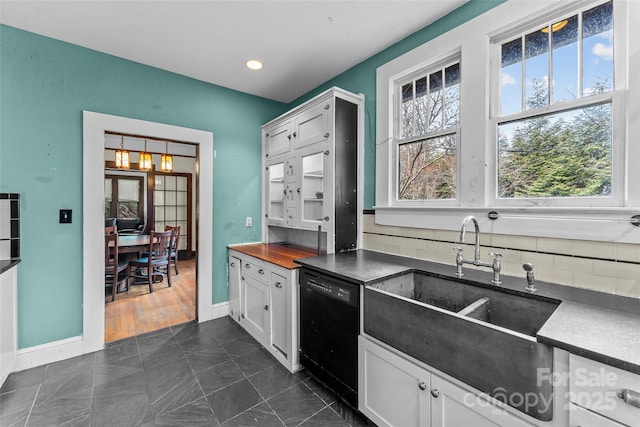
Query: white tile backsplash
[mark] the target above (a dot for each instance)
(583, 264)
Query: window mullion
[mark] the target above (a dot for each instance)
(580, 63)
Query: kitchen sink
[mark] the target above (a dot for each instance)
(481, 334)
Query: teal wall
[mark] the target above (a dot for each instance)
(362, 79)
(44, 86)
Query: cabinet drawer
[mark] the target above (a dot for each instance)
(255, 269)
(580, 417)
(598, 387)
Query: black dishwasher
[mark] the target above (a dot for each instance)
(329, 328)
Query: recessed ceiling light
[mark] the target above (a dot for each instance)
(254, 64)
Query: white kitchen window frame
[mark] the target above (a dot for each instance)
(615, 97)
(477, 183)
(424, 69)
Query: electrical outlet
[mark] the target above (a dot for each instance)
(249, 222)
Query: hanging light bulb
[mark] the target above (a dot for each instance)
(166, 160)
(145, 159)
(122, 156)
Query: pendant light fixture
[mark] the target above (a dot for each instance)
(145, 159)
(122, 156)
(166, 160)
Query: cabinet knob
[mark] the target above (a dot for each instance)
(247, 265)
(242, 315)
(298, 190)
(326, 107)
(278, 285)
(435, 393)
(261, 271)
(266, 308)
(284, 191)
(289, 136)
(326, 153)
(422, 385)
(233, 264)
(295, 134)
(267, 155)
(326, 135)
(326, 218)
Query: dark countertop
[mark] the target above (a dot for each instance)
(6, 264)
(595, 325)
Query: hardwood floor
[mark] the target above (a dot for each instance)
(137, 311)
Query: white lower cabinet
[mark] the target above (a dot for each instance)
(602, 395)
(255, 313)
(8, 322)
(395, 391)
(263, 300)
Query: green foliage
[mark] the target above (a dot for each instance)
(558, 155)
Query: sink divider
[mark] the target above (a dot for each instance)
(480, 309)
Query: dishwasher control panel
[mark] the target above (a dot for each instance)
(333, 288)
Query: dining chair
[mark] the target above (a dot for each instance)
(113, 267)
(173, 259)
(155, 261)
(111, 229)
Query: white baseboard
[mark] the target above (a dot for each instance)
(48, 353)
(220, 310)
(71, 347)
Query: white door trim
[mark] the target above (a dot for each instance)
(94, 126)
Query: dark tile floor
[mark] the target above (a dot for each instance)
(206, 374)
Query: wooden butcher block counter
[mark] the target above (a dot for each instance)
(281, 254)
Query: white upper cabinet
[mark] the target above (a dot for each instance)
(277, 140)
(312, 158)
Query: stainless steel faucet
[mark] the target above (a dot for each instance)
(460, 261)
(531, 281)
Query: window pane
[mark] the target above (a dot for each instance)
(428, 169)
(559, 155)
(128, 190)
(511, 77)
(406, 123)
(536, 51)
(452, 96)
(597, 49)
(127, 209)
(107, 189)
(564, 41)
(421, 106)
(435, 101)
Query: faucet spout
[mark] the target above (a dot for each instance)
(463, 230)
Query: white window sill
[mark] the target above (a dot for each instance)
(596, 224)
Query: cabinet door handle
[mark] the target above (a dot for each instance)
(298, 190)
(289, 136)
(422, 385)
(295, 134)
(278, 285)
(242, 315)
(233, 264)
(266, 308)
(630, 397)
(326, 153)
(261, 271)
(435, 393)
(326, 107)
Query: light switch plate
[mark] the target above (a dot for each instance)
(249, 222)
(65, 216)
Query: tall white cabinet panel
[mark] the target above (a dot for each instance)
(8, 322)
(235, 287)
(279, 309)
(322, 172)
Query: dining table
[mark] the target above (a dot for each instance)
(134, 243)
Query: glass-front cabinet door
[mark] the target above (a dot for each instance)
(275, 193)
(313, 188)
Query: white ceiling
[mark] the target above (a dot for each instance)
(302, 43)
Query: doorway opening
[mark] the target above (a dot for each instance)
(95, 127)
(138, 200)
